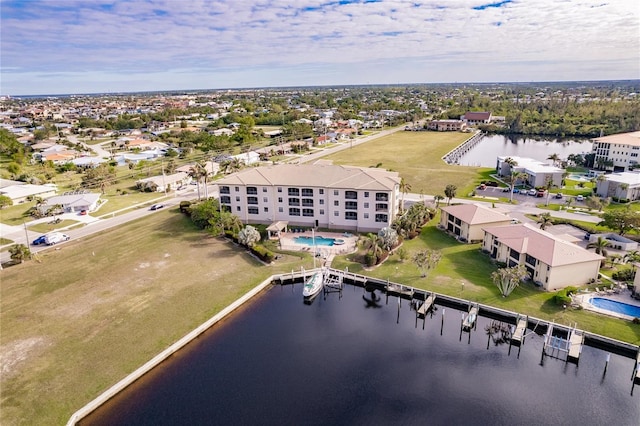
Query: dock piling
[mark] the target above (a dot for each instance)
(442, 322)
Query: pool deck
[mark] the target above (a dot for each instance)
(287, 242)
(624, 296)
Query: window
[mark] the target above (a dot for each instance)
(266, 209)
(252, 190)
(252, 210)
(225, 190)
(264, 189)
(237, 189)
(294, 211)
(225, 199)
(351, 215)
(321, 202)
(366, 215)
(237, 198)
(351, 205)
(514, 254)
(265, 199)
(307, 192)
(279, 199)
(382, 196)
(382, 218)
(336, 213)
(382, 207)
(336, 192)
(321, 211)
(279, 189)
(351, 195)
(252, 200)
(336, 203)
(366, 194)
(530, 260)
(366, 205)
(307, 212)
(237, 208)
(321, 191)
(293, 192)
(280, 210)
(307, 202)
(294, 201)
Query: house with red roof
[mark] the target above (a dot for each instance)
(475, 118)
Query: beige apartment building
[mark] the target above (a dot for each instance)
(318, 195)
(552, 262)
(466, 221)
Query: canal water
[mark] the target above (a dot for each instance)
(484, 154)
(349, 361)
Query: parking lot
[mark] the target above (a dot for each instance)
(521, 197)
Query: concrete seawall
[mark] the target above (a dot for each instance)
(158, 359)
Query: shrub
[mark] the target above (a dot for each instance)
(184, 207)
(636, 321)
(624, 275)
(263, 253)
(369, 259)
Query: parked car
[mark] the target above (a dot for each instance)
(39, 240)
(55, 238)
(516, 191)
(505, 189)
(482, 186)
(83, 213)
(532, 192)
(540, 194)
(579, 198)
(558, 195)
(156, 207)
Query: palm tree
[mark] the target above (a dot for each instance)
(554, 158)
(437, 199)
(450, 192)
(404, 188)
(548, 184)
(545, 220)
(197, 171)
(372, 243)
(513, 179)
(19, 252)
(600, 245)
(622, 188)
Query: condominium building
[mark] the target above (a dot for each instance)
(551, 262)
(617, 152)
(327, 196)
(538, 172)
(621, 186)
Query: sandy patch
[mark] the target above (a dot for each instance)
(18, 352)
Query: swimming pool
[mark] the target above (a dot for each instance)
(319, 241)
(579, 178)
(617, 307)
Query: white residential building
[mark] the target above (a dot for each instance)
(621, 150)
(537, 171)
(622, 186)
(327, 196)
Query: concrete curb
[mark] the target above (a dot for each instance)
(158, 359)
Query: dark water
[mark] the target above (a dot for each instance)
(484, 154)
(339, 362)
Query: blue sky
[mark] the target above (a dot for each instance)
(68, 46)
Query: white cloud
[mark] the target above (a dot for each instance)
(259, 41)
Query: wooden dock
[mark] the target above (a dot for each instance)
(576, 339)
(518, 336)
(426, 306)
(398, 290)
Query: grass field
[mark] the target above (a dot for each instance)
(417, 156)
(95, 310)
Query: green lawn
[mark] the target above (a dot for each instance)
(417, 156)
(45, 227)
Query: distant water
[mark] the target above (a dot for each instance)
(342, 361)
(485, 153)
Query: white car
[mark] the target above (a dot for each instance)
(579, 198)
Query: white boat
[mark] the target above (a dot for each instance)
(313, 285)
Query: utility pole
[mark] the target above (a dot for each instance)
(164, 186)
(26, 234)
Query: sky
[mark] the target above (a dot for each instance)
(97, 46)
